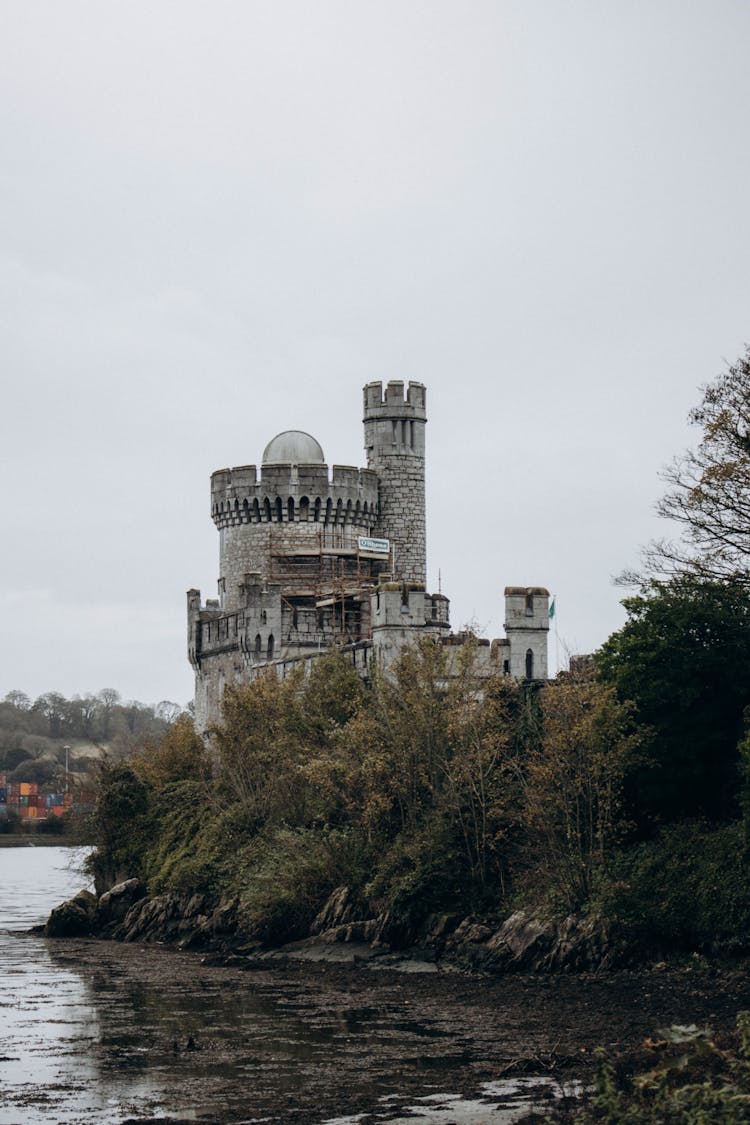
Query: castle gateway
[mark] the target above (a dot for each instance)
(312, 559)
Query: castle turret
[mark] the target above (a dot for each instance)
(292, 505)
(527, 629)
(395, 444)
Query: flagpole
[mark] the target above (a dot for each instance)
(553, 615)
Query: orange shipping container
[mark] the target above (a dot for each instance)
(58, 810)
(32, 810)
(24, 788)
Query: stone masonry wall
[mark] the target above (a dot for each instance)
(394, 422)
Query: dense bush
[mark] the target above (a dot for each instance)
(687, 1077)
(683, 659)
(687, 889)
(421, 795)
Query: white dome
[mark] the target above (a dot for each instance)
(293, 447)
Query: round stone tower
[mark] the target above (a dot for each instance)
(291, 509)
(395, 445)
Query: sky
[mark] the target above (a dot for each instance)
(220, 220)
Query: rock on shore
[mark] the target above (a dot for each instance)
(522, 942)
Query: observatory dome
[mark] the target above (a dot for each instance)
(293, 447)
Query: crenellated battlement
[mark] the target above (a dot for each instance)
(292, 493)
(397, 401)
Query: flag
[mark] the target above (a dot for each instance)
(552, 608)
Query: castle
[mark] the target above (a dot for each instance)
(311, 560)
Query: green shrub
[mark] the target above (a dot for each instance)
(284, 877)
(691, 1080)
(687, 889)
(185, 854)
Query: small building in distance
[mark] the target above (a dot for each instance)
(312, 559)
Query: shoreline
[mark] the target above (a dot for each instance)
(23, 841)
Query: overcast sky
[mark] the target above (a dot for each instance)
(219, 220)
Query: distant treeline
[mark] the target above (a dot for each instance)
(34, 733)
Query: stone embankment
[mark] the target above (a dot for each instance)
(341, 932)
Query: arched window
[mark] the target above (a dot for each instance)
(529, 605)
(348, 511)
(246, 510)
(266, 509)
(329, 509)
(256, 511)
(304, 509)
(258, 646)
(339, 510)
(279, 510)
(529, 664)
(316, 517)
(290, 509)
(269, 648)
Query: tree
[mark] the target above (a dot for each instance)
(18, 699)
(54, 708)
(572, 785)
(709, 488)
(180, 755)
(107, 700)
(166, 711)
(83, 713)
(123, 826)
(257, 750)
(480, 787)
(683, 657)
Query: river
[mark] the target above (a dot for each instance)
(100, 1033)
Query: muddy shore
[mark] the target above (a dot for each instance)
(316, 1041)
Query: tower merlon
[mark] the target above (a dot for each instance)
(395, 403)
(526, 607)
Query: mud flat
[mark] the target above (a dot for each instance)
(153, 1033)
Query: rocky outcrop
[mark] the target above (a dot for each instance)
(342, 907)
(74, 918)
(531, 944)
(192, 921)
(115, 903)
(524, 942)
